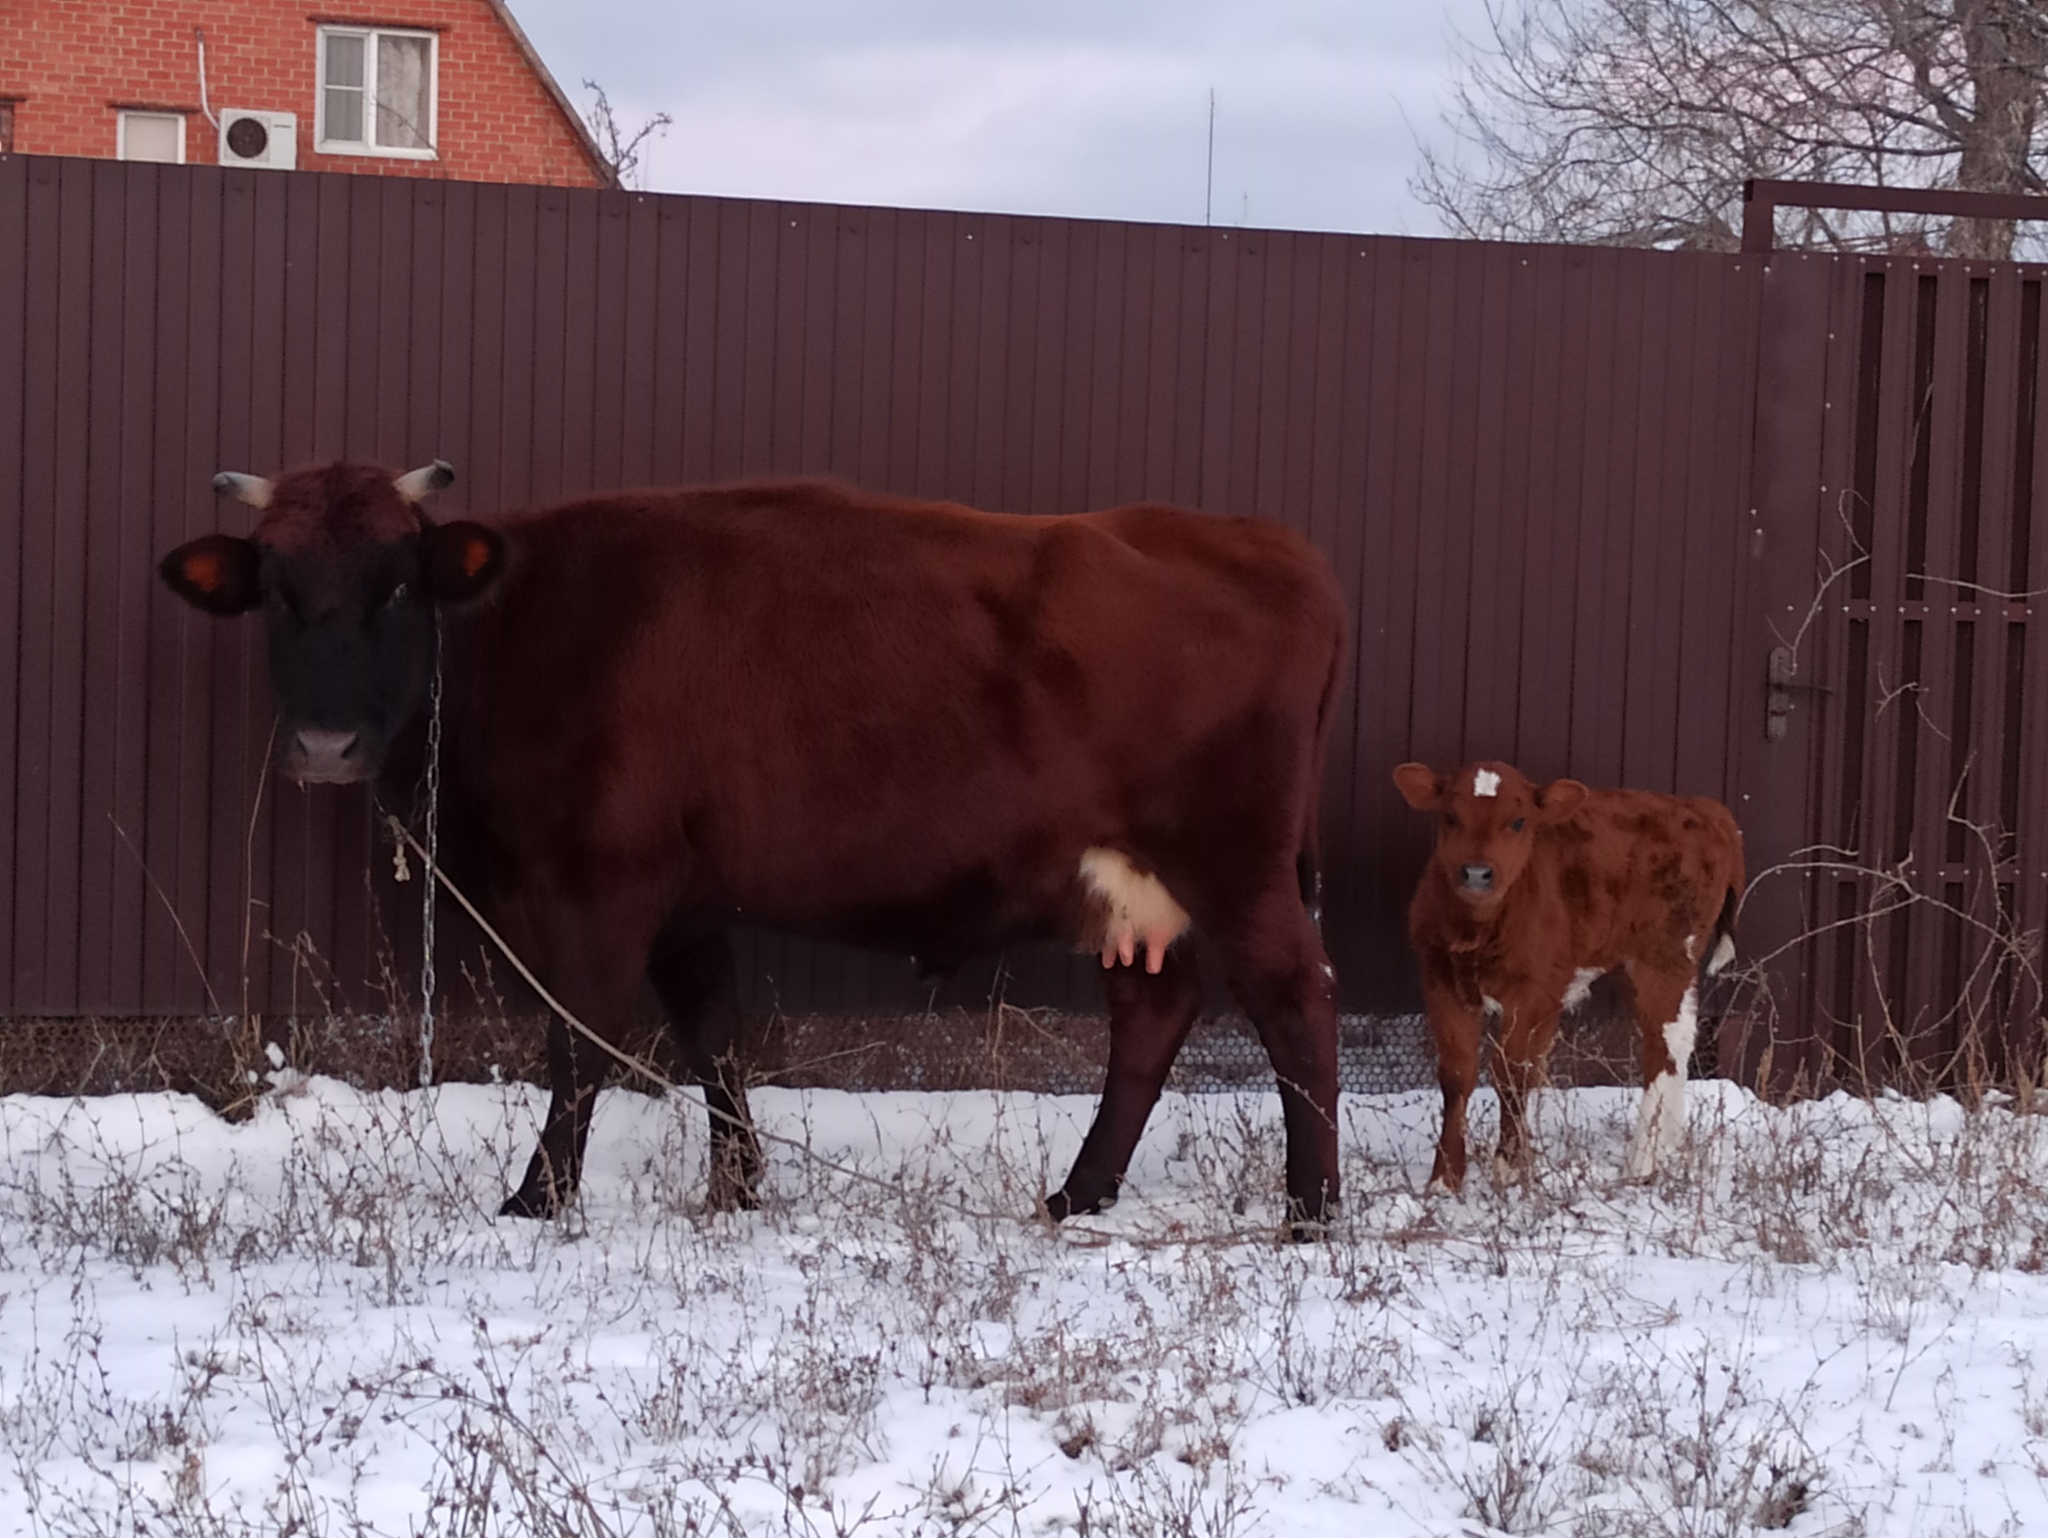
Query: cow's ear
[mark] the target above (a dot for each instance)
(461, 559)
(1560, 798)
(217, 573)
(1421, 786)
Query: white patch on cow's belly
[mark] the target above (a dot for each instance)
(1581, 988)
(1490, 1005)
(1138, 911)
(1660, 1118)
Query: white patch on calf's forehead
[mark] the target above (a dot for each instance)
(1485, 783)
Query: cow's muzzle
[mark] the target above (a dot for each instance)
(317, 757)
(1475, 879)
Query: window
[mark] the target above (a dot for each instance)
(158, 136)
(376, 92)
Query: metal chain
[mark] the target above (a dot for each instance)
(433, 845)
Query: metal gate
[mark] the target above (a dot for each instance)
(1896, 748)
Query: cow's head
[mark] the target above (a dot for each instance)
(347, 571)
(1488, 815)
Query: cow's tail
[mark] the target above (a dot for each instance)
(1307, 869)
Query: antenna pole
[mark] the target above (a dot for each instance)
(1209, 196)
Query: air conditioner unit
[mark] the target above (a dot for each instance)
(259, 138)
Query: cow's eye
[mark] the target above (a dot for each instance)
(1451, 821)
(1518, 825)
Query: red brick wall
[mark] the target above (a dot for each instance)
(68, 65)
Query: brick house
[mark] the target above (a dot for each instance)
(448, 88)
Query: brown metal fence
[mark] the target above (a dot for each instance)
(1541, 473)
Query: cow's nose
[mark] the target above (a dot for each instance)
(1476, 878)
(326, 757)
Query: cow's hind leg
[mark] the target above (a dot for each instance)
(1281, 974)
(695, 980)
(1149, 1017)
(1667, 1009)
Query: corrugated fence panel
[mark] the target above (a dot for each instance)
(1931, 749)
(1525, 463)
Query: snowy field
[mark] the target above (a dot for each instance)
(1830, 1319)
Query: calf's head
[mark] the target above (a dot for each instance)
(1487, 817)
(347, 571)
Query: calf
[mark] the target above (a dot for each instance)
(1533, 892)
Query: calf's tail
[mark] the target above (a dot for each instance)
(1724, 932)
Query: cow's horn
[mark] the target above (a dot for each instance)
(415, 485)
(252, 489)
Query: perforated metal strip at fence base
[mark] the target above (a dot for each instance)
(227, 1062)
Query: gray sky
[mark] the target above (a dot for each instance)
(1092, 108)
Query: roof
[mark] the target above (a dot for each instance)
(553, 87)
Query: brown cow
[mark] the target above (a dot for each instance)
(905, 725)
(1534, 893)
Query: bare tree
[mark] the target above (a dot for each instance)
(1635, 122)
(620, 149)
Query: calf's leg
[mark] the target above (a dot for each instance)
(695, 980)
(1149, 1017)
(1526, 1032)
(1667, 1011)
(1457, 1031)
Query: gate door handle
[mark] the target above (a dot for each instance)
(1782, 679)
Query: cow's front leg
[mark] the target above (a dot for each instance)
(592, 953)
(577, 1068)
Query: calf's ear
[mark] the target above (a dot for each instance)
(1560, 798)
(216, 572)
(461, 559)
(1421, 786)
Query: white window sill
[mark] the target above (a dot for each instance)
(376, 151)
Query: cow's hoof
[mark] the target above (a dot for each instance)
(732, 1198)
(1309, 1222)
(1063, 1204)
(530, 1204)
(733, 1185)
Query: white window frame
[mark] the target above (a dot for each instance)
(366, 145)
(121, 117)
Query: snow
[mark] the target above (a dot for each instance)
(1824, 1318)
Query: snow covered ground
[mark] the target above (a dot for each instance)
(1831, 1318)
